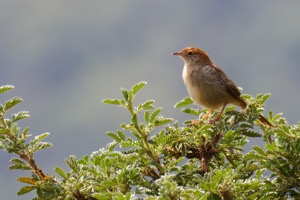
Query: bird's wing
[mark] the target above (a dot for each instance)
(232, 88)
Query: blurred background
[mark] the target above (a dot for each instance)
(64, 57)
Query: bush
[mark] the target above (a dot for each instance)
(153, 157)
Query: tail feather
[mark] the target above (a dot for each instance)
(263, 120)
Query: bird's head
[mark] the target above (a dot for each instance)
(193, 55)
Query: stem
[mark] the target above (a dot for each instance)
(208, 151)
(31, 162)
(144, 136)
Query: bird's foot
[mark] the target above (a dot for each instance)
(213, 121)
(193, 122)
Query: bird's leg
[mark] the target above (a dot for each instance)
(219, 116)
(207, 114)
(203, 118)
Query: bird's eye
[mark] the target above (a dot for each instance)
(190, 53)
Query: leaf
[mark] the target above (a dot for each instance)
(137, 87)
(163, 121)
(38, 138)
(265, 97)
(136, 134)
(125, 93)
(229, 135)
(25, 133)
(129, 143)
(253, 156)
(249, 133)
(259, 150)
(126, 126)
(27, 180)
(5, 88)
(276, 117)
(60, 172)
(72, 163)
(146, 117)
(26, 189)
(19, 164)
(245, 125)
(41, 145)
(20, 115)
(271, 147)
(1, 109)
(245, 96)
(121, 135)
(154, 114)
(146, 105)
(100, 196)
(84, 160)
(111, 146)
(191, 111)
(12, 102)
(114, 102)
(185, 102)
(114, 136)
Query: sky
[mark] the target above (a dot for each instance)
(64, 57)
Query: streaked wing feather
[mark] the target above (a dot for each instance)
(232, 88)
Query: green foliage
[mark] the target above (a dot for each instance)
(152, 157)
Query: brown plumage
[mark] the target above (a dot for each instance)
(208, 85)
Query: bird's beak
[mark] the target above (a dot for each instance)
(176, 54)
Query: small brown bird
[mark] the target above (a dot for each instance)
(208, 85)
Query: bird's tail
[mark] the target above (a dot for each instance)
(263, 120)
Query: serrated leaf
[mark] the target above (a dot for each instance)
(72, 163)
(41, 145)
(137, 87)
(20, 115)
(217, 177)
(111, 146)
(265, 97)
(121, 135)
(5, 88)
(19, 164)
(228, 135)
(245, 96)
(125, 93)
(26, 189)
(114, 136)
(38, 138)
(1, 109)
(136, 134)
(60, 172)
(25, 133)
(146, 117)
(245, 125)
(253, 156)
(191, 111)
(249, 133)
(129, 143)
(184, 102)
(160, 122)
(100, 196)
(146, 105)
(12, 102)
(276, 117)
(154, 115)
(27, 180)
(126, 126)
(114, 102)
(259, 150)
(271, 147)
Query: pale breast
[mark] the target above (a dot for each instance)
(202, 88)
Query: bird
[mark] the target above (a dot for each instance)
(208, 85)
